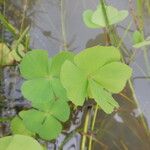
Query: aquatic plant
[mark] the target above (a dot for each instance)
(96, 19)
(95, 74)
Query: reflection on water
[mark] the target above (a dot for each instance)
(121, 130)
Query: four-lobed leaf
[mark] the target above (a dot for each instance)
(96, 19)
(19, 142)
(45, 120)
(18, 127)
(42, 74)
(92, 68)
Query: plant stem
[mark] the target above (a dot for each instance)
(85, 129)
(146, 61)
(125, 33)
(108, 27)
(25, 3)
(92, 126)
(63, 25)
(8, 26)
(140, 13)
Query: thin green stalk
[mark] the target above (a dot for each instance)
(85, 129)
(22, 36)
(108, 27)
(124, 35)
(92, 126)
(146, 61)
(24, 15)
(139, 7)
(111, 31)
(63, 25)
(140, 10)
(147, 4)
(8, 26)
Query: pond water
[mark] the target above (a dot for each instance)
(55, 22)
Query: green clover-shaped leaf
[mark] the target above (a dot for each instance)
(92, 68)
(19, 142)
(42, 75)
(18, 127)
(96, 19)
(46, 119)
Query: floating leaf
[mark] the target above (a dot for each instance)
(42, 75)
(96, 19)
(46, 119)
(17, 142)
(18, 127)
(98, 64)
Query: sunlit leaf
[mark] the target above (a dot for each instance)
(75, 81)
(93, 58)
(113, 76)
(102, 97)
(19, 142)
(97, 64)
